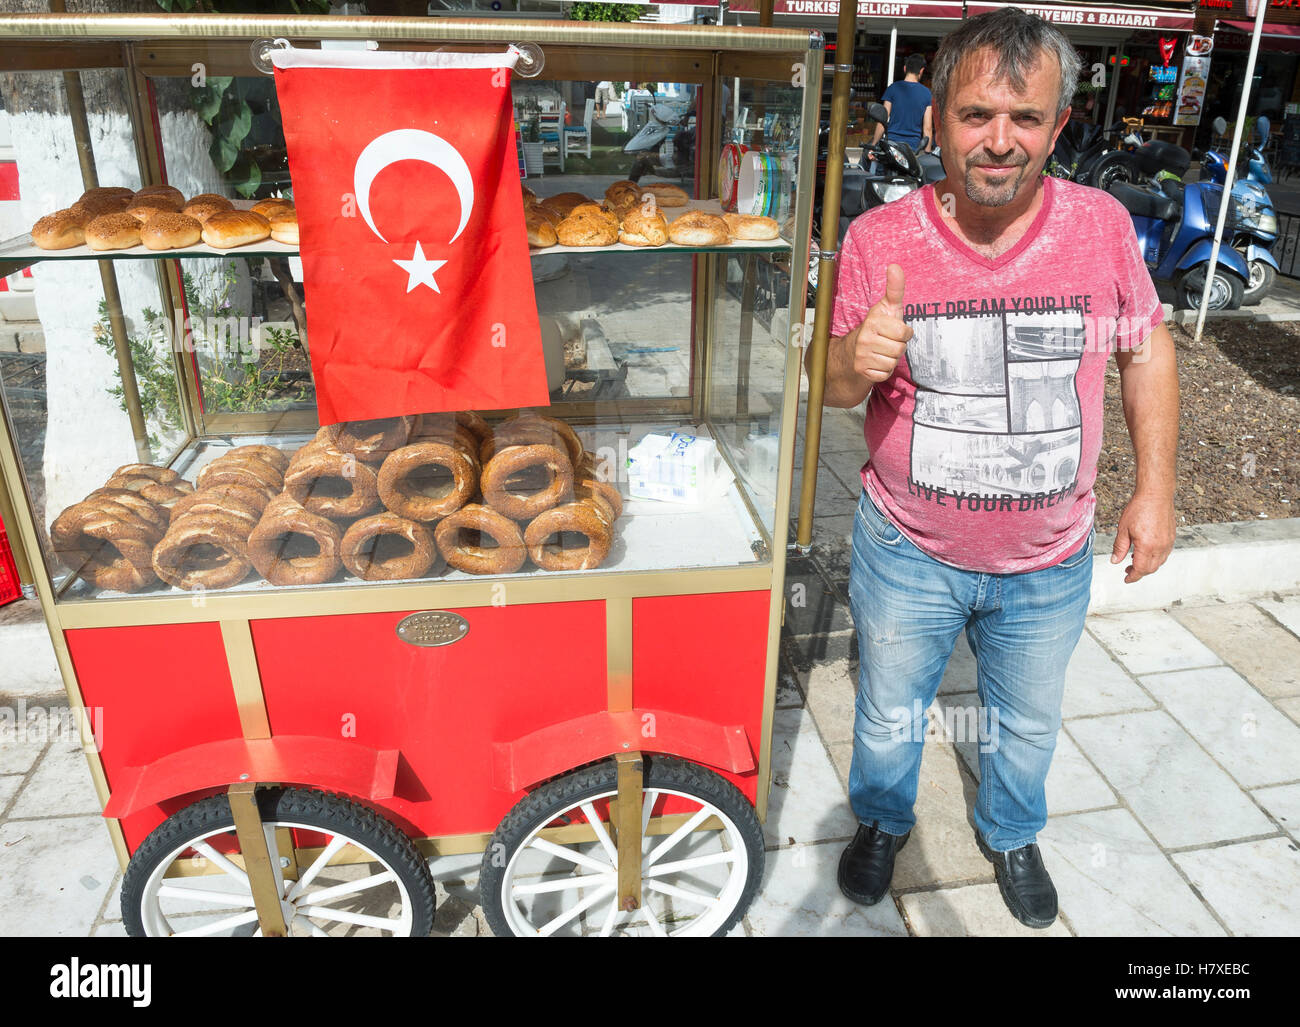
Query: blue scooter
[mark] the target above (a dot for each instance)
(1175, 228)
(1252, 209)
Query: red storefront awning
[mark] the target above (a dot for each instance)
(1099, 17)
(1247, 28)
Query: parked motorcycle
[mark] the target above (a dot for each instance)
(667, 122)
(1082, 154)
(1252, 210)
(1175, 225)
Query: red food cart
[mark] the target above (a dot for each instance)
(288, 758)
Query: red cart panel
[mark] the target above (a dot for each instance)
(161, 689)
(704, 655)
(517, 669)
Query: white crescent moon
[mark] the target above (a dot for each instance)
(412, 144)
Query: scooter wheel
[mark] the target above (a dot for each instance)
(1262, 277)
(1226, 290)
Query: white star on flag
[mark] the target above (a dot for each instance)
(420, 270)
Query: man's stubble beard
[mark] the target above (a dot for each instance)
(993, 196)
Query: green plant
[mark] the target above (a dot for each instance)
(605, 12)
(155, 375)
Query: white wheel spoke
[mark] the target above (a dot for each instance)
(309, 875)
(237, 920)
(563, 884)
(273, 851)
(602, 835)
(686, 894)
(315, 931)
(692, 863)
(698, 818)
(647, 806)
(338, 891)
(656, 928)
(224, 898)
(347, 917)
(551, 926)
(572, 855)
(213, 856)
(610, 917)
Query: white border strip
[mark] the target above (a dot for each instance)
(399, 60)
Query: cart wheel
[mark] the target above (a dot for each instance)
(361, 875)
(695, 882)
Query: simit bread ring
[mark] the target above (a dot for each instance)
(696, 228)
(445, 428)
(204, 552)
(591, 486)
(585, 518)
(241, 469)
(533, 429)
(511, 485)
(505, 558)
(369, 440)
(332, 484)
(141, 508)
(237, 500)
(277, 458)
(400, 548)
(290, 546)
(407, 492)
(105, 542)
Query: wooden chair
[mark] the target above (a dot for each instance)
(550, 132)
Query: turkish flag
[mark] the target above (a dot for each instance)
(419, 289)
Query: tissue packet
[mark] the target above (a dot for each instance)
(677, 468)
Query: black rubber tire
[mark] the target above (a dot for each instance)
(1252, 297)
(330, 813)
(1190, 284)
(552, 798)
(1112, 166)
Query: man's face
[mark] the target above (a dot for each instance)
(996, 139)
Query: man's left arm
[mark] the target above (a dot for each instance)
(1149, 391)
(927, 129)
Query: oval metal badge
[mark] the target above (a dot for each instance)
(432, 627)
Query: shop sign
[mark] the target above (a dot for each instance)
(1097, 17)
(1280, 12)
(866, 8)
(1191, 90)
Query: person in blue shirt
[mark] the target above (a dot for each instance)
(908, 103)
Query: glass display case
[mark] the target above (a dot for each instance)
(493, 599)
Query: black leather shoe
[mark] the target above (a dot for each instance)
(1024, 883)
(867, 865)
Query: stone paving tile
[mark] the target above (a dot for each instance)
(830, 686)
(1072, 784)
(833, 543)
(807, 802)
(799, 898)
(1291, 707)
(841, 754)
(61, 784)
(1113, 881)
(1150, 759)
(812, 605)
(1150, 641)
(1283, 804)
(788, 693)
(56, 874)
(976, 910)
(1251, 740)
(29, 667)
(1285, 610)
(1096, 684)
(9, 785)
(1254, 886)
(835, 496)
(19, 750)
(960, 673)
(114, 930)
(848, 468)
(841, 433)
(1250, 642)
(942, 845)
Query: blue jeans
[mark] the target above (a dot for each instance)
(1022, 628)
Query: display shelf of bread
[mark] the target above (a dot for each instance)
(390, 500)
(158, 220)
(636, 217)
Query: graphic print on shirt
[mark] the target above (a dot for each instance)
(997, 409)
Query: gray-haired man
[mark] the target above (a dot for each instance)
(977, 318)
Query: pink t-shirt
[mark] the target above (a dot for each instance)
(982, 446)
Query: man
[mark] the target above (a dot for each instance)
(976, 318)
(908, 103)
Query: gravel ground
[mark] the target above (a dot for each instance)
(1239, 431)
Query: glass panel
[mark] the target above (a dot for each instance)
(665, 367)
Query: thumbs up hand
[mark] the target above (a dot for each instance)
(883, 335)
